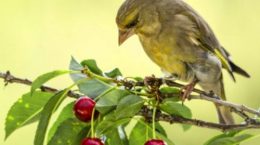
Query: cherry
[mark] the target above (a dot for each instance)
(92, 141)
(155, 142)
(83, 108)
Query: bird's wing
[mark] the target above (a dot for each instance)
(201, 34)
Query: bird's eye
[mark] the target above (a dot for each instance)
(132, 24)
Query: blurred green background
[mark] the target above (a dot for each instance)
(37, 36)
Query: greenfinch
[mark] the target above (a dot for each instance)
(181, 43)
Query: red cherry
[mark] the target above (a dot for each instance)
(155, 142)
(83, 108)
(92, 141)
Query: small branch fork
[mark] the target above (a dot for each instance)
(241, 110)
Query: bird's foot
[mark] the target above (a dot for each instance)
(187, 90)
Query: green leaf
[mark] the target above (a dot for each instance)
(108, 125)
(138, 79)
(230, 138)
(67, 112)
(47, 111)
(25, 111)
(174, 93)
(70, 132)
(139, 134)
(129, 106)
(75, 66)
(226, 134)
(160, 129)
(170, 90)
(93, 88)
(109, 101)
(143, 132)
(117, 136)
(39, 81)
(92, 66)
(113, 73)
(174, 108)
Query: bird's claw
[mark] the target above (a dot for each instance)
(187, 90)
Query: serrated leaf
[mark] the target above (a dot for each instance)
(25, 111)
(75, 66)
(47, 111)
(128, 106)
(117, 136)
(109, 101)
(66, 113)
(143, 132)
(93, 88)
(230, 140)
(174, 108)
(92, 66)
(113, 73)
(39, 81)
(108, 125)
(70, 132)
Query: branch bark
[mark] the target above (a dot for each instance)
(199, 123)
(9, 78)
(239, 109)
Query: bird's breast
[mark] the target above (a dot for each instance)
(165, 57)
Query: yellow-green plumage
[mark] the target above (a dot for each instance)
(180, 42)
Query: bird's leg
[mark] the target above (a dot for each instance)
(187, 90)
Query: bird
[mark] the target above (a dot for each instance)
(181, 43)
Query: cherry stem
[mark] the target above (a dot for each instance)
(147, 133)
(154, 114)
(92, 123)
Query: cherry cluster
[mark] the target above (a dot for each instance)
(83, 109)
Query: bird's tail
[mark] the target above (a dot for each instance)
(238, 70)
(224, 113)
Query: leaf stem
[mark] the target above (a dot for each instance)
(93, 75)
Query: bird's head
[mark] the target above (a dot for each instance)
(133, 17)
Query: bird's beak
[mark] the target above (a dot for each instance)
(124, 35)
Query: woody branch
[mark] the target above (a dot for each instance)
(241, 110)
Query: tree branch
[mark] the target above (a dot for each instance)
(239, 109)
(199, 123)
(211, 97)
(9, 78)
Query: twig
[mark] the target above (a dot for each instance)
(237, 107)
(9, 78)
(200, 123)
